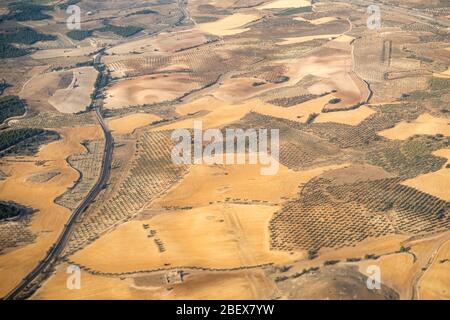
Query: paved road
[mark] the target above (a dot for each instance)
(57, 248)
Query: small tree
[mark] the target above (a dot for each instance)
(404, 249)
(312, 254)
(335, 101)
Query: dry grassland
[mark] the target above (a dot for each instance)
(382, 246)
(335, 67)
(350, 117)
(163, 42)
(138, 45)
(173, 42)
(148, 89)
(220, 236)
(129, 123)
(282, 4)
(298, 112)
(435, 284)
(397, 271)
(445, 74)
(240, 89)
(318, 21)
(205, 103)
(92, 287)
(430, 253)
(222, 113)
(246, 284)
(77, 96)
(204, 184)
(221, 3)
(67, 91)
(434, 183)
(42, 85)
(344, 38)
(297, 40)
(379, 246)
(228, 26)
(424, 124)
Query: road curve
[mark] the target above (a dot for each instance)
(57, 248)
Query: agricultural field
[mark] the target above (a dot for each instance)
(354, 173)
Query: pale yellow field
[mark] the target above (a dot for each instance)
(396, 271)
(318, 21)
(221, 3)
(222, 113)
(205, 103)
(131, 122)
(382, 245)
(164, 42)
(48, 222)
(246, 284)
(131, 46)
(170, 42)
(424, 124)
(92, 287)
(329, 66)
(401, 271)
(42, 85)
(295, 40)
(241, 89)
(428, 252)
(229, 25)
(342, 43)
(344, 38)
(435, 284)
(322, 20)
(392, 264)
(147, 89)
(299, 112)
(215, 236)
(77, 96)
(280, 4)
(204, 184)
(445, 74)
(351, 117)
(336, 70)
(435, 183)
(73, 97)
